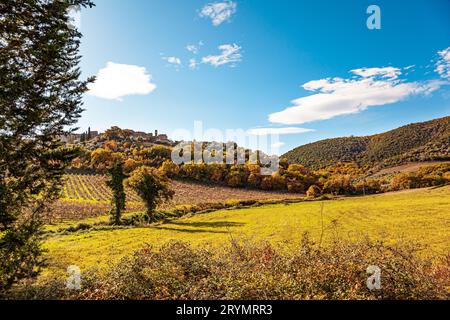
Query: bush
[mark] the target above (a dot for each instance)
(195, 172)
(249, 271)
(429, 176)
(266, 183)
(254, 180)
(339, 184)
(278, 182)
(403, 181)
(313, 192)
(371, 186)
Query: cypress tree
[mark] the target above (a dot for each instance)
(40, 95)
(116, 184)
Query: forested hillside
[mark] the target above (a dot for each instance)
(424, 141)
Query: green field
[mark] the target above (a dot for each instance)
(421, 216)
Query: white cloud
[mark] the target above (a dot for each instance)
(338, 96)
(119, 80)
(194, 48)
(277, 131)
(193, 64)
(386, 72)
(443, 64)
(219, 12)
(173, 60)
(230, 55)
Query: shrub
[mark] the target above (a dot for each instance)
(368, 186)
(261, 271)
(266, 183)
(101, 158)
(254, 271)
(195, 172)
(313, 192)
(425, 177)
(254, 177)
(111, 145)
(254, 180)
(278, 182)
(339, 184)
(297, 169)
(403, 181)
(295, 186)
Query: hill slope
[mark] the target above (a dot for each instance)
(425, 141)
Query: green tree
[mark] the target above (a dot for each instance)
(40, 95)
(115, 183)
(152, 186)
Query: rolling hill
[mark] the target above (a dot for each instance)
(425, 141)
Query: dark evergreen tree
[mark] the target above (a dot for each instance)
(116, 183)
(40, 95)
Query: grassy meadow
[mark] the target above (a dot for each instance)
(421, 216)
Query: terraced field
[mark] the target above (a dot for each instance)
(90, 188)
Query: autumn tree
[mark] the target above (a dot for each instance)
(40, 95)
(216, 172)
(237, 176)
(102, 159)
(339, 184)
(170, 169)
(254, 177)
(278, 181)
(111, 145)
(152, 186)
(156, 155)
(130, 165)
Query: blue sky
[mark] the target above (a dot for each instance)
(254, 59)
